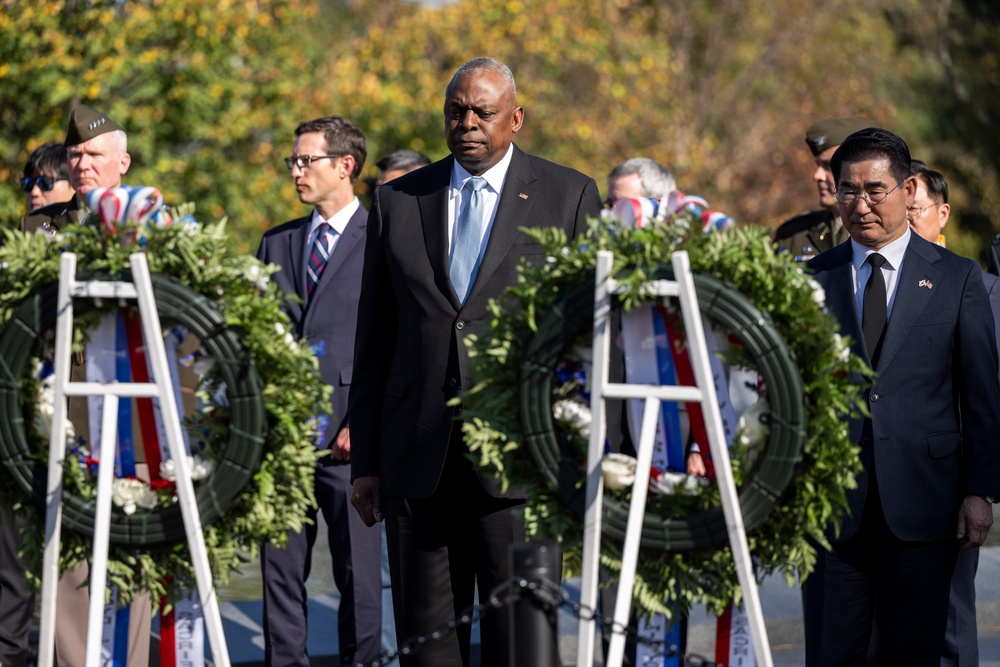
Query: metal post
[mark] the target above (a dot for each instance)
(534, 634)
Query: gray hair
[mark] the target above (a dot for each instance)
(120, 141)
(657, 181)
(480, 65)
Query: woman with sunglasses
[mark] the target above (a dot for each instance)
(46, 176)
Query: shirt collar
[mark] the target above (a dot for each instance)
(494, 176)
(893, 252)
(338, 221)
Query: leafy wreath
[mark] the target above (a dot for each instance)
(743, 259)
(265, 500)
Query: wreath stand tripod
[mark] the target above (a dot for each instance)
(161, 389)
(704, 393)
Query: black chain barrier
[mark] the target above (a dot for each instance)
(550, 596)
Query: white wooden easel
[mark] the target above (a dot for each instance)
(162, 389)
(682, 287)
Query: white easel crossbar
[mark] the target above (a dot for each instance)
(142, 291)
(683, 288)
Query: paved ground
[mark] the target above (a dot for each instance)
(781, 604)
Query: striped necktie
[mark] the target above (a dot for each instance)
(318, 254)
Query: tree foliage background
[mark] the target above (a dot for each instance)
(721, 91)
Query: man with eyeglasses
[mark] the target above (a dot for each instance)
(930, 463)
(321, 256)
(927, 217)
(812, 232)
(97, 153)
(46, 176)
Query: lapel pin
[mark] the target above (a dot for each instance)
(523, 196)
(926, 283)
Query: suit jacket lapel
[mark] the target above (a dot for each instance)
(919, 264)
(434, 218)
(296, 259)
(840, 299)
(353, 233)
(512, 213)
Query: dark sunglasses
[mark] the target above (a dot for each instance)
(44, 183)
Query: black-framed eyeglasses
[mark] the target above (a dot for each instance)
(303, 161)
(44, 183)
(848, 197)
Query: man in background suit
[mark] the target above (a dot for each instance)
(321, 257)
(928, 476)
(442, 241)
(927, 216)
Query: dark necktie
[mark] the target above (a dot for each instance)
(873, 309)
(468, 238)
(318, 254)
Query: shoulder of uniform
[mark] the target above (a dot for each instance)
(802, 222)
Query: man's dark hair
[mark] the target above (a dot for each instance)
(873, 143)
(51, 159)
(342, 138)
(403, 159)
(937, 187)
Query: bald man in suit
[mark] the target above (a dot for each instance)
(442, 241)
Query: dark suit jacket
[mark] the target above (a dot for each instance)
(327, 321)
(410, 355)
(935, 403)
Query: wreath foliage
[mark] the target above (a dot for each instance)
(280, 493)
(745, 259)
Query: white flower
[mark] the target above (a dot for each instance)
(46, 412)
(256, 276)
(132, 493)
(289, 338)
(200, 468)
(576, 413)
(818, 293)
(754, 424)
(618, 471)
(840, 349)
(671, 483)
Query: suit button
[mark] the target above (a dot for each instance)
(309, 335)
(452, 382)
(866, 442)
(873, 398)
(460, 325)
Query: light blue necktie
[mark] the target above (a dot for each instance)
(468, 238)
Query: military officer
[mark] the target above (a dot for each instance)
(811, 232)
(98, 158)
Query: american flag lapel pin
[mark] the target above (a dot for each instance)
(926, 283)
(523, 196)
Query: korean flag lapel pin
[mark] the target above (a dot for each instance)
(926, 283)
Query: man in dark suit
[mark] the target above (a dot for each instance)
(931, 464)
(321, 257)
(442, 241)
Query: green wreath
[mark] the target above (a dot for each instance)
(572, 315)
(261, 440)
(743, 259)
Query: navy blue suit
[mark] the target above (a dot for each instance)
(931, 440)
(327, 321)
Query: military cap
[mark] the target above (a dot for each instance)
(831, 132)
(86, 123)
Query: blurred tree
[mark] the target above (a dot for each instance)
(604, 80)
(209, 92)
(950, 55)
